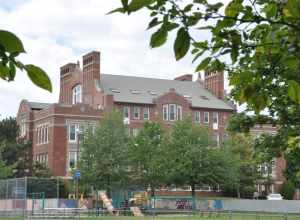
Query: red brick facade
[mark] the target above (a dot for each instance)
(278, 166)
(51, 126)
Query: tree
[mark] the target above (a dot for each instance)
(10, 48)
(195, 158)
(255, 41)
(15, 152)
(104, 154)
(148, 157)
(288, 190)
(242, 153)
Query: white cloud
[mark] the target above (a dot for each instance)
(55, 32)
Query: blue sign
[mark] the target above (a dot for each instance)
(77, 174)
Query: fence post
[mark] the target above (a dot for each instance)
(25, 195)
(57, 191)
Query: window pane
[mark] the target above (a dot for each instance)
(72, 132)
(206, 117)
(197, 117)
(215, 117)
(165, 112)
(136, 113)
(172, 112)
(146, 113)
(76, 94)
(72, 159)
(126, 112)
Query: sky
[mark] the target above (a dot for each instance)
(55, 32)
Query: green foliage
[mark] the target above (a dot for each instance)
(11, 47)
(148, 156)
(256, 42)
(16, 153)
(104, 154)
(288, 190)
(195, 158)
(241, 148)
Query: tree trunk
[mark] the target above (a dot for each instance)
(153, 195)
(193, 196)
(238, 192)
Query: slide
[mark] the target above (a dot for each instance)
(107, 202)
(136, 211)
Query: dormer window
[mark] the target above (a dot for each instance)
(76, 94)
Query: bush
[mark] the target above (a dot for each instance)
(288, 190)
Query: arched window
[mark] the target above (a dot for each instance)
(76, 94)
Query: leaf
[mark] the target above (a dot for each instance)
(12, 70)
(121, 10)
(293, 7)
(271, 10)
(294, 91)
(188, 7)
(203, 64)
(135, 5)
(38, 77)
(153, 23)
(233, 8)
(4, 72)
(182, 43)
(158, 38)
(11, 42)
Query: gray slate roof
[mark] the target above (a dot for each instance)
(128, 85)
(38, 105)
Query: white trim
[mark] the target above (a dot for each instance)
(166, 112)
(148, 113)
(175, 112)
(138, 112)
(126, 107)
(198, 115)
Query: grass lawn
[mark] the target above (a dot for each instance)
(198, 217)
(181, 217)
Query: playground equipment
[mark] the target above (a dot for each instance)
(136, 211)
(106, 202)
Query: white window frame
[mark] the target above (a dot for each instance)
(136, 110)
(216, 116)
(75, 159)
(42, 133)
(147, 111)
(69, 133)
(175, 112)
(77, 94)
(198, 116)
(206, 116)
(166, 112)
(128, 111)
(23, 127)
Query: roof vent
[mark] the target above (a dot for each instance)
(204, 97)
(133, 91)
(152, 92)
(115, 90)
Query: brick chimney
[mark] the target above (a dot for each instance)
(214, 82)
(91, 76)
(186, 77)
(66, 75)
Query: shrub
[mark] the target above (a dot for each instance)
(288, 190)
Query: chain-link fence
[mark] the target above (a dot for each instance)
(20, 195)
